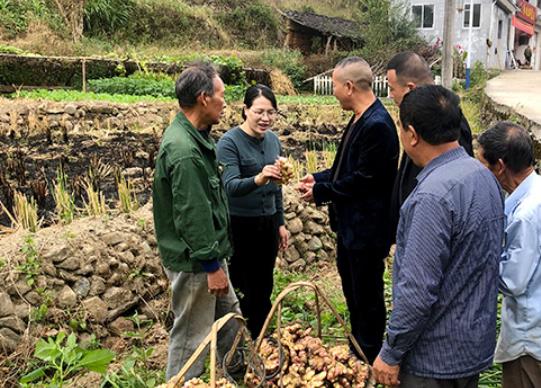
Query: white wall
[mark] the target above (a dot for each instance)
(496, 54)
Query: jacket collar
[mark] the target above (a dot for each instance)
(514, 199)
(446, 157)
(196, 134)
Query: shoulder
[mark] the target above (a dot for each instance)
(530, 207)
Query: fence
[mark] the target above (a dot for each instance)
(380, 86)
(323, 85)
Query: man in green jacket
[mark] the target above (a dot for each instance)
(192, 221)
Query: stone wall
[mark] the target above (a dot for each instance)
(96, 271)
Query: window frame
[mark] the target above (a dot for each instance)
(467, 5)
(421, 27)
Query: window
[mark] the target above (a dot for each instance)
(500, 28)
(423, 16)
(476, 15)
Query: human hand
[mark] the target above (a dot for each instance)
(269, 172)
(306, 183)
(283, 233)
(384, 373)
(308, 194)
(218, 283)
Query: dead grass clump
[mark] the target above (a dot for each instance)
(40, 38)
(281, 84)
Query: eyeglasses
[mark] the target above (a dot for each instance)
(270, 113)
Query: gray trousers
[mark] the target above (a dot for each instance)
(195, 311)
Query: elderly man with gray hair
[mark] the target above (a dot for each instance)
(507, 150)
(191, 220)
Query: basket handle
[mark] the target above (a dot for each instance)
(318, 294)
(212, 337)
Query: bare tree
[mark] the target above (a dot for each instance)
(72, 11)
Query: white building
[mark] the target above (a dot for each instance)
(499, 27)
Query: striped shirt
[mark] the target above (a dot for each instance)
(445, 272)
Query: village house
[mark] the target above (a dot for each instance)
(501, 29)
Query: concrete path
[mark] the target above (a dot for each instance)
(519, 90)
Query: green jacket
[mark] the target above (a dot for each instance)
(191, 218)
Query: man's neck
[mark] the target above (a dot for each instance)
(362, 102)
(514, 180)
(432, 152)
(196, 119)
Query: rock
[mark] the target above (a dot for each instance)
(70, 264)
(120, 326)
(122, 247)
(48, 269)
(14, 323)
(66, 297)
(133, 171)
(8, 341)
(57, 253)
(310, 227)
(68, 126)
(96, 309)
(70, 109)
(33, 298)
(103, 270)
(4, 118)
(97, 286)
(123, 268)
(314, 244)
(295, 226)
(88, 269)
(22, 310)
(54, 110)
(6, 305)
(292, 254)
(82, 287)
(116, 297)
(328, 243)
(322, 255)
(298, 265)
(319, 217)
(302, 247)
(146, 249)
(310, 257)
(116, 279)
(113, 238)
(127, 257)
(290, 216)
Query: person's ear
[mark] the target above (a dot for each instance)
(411, 86)
(349, 87)
(500, 168)
(202, 99)
(413, 136)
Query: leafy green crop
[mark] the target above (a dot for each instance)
(63, 359)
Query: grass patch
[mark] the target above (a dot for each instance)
(75, 95)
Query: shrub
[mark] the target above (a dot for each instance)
(107, 16)
(289, 61)
(252, 25)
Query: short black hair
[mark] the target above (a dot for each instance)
(256, 91)
(197, 78)
(434, 112)
(509, 142)
(410, 67)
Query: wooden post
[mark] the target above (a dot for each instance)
(328, 45)
(83, 64)
(448, 26)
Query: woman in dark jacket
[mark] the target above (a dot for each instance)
(249, 153)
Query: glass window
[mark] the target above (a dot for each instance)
(423, 16)
(476, 15)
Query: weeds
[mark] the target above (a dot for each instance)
(94, 205)
(311, 161)
(31, 265)
(25, 213)
(127, 200)
(64, 201)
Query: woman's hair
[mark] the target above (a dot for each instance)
(256, 91)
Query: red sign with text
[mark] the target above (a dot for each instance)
(528, 12)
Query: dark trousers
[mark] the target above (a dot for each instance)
(411, 381)
(524, 372)
(255, 246)
(361, 272)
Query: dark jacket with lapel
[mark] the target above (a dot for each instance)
(358, 186)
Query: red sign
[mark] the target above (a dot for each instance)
(521, 25)
(528, 12)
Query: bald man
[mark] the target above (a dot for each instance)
(358, 189)
(406, 71)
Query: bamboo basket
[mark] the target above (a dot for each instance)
(212, 340)
(320, 298)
